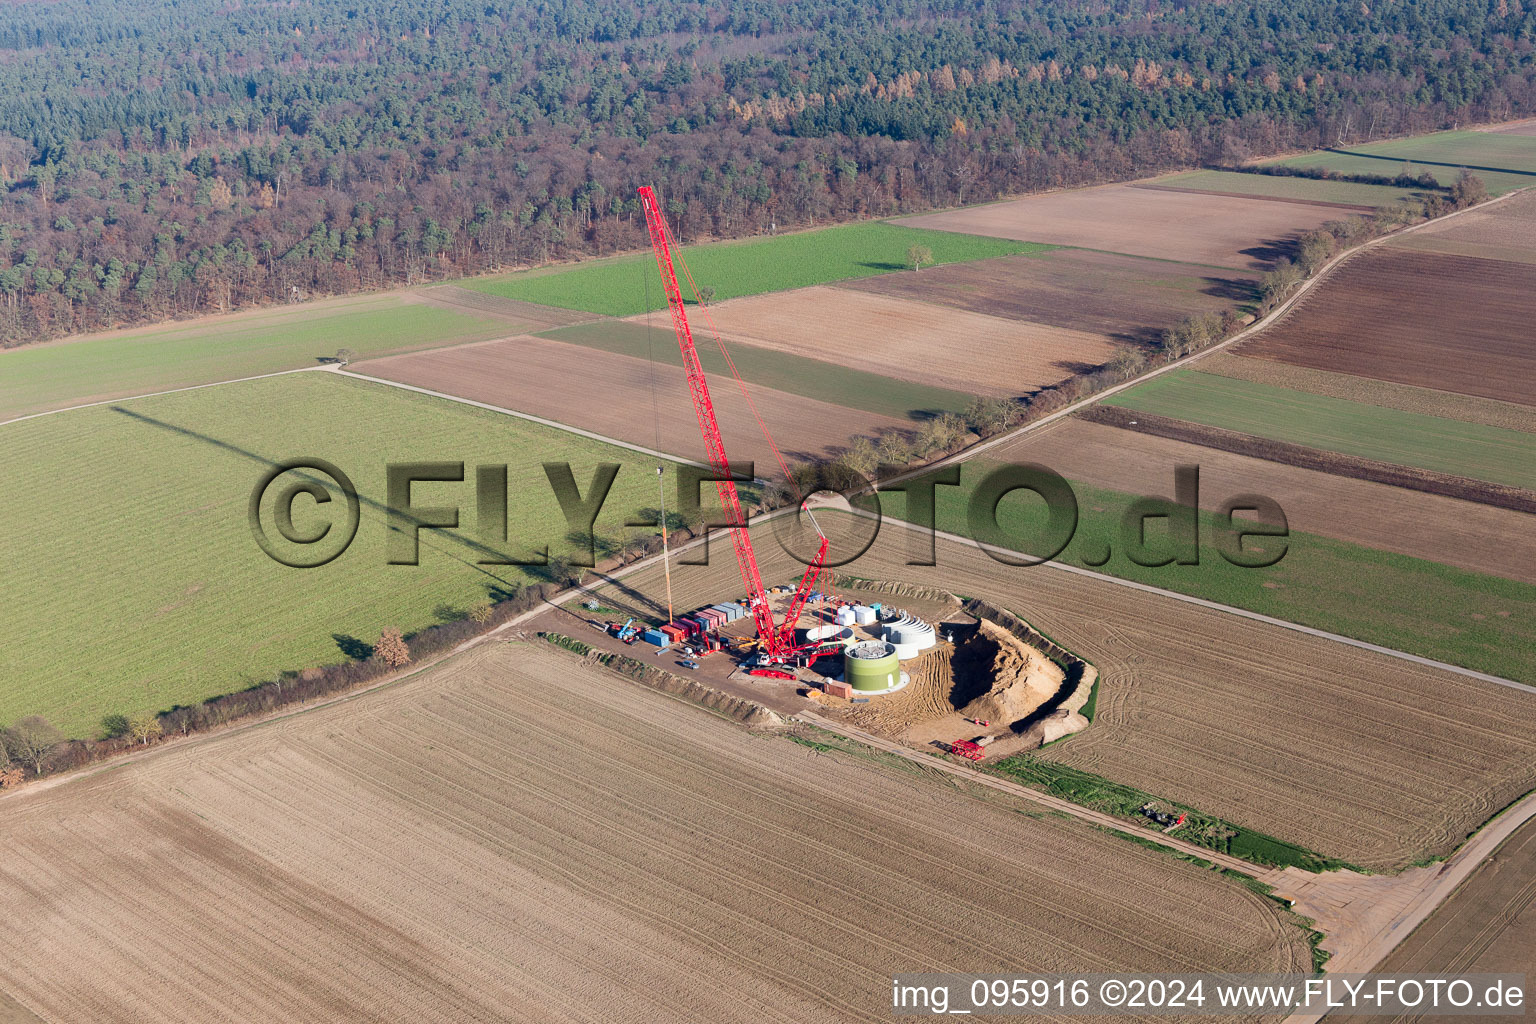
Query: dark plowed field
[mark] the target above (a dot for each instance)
(1439, 321)
(1124, 298)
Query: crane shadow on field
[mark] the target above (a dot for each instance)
(429, 538)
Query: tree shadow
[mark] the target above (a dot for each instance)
(1271, 251)
(1233, 289)
(1140, 337)
(352, 647)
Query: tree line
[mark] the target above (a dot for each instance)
(163, 160)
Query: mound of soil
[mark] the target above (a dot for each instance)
(998, 679)
(988, 674)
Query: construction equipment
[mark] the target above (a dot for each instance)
(774, 673)
(777, 640)
(625, 632)
(969, 749)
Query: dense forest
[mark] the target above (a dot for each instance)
(164, 158)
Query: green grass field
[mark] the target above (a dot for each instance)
(35, 378)
(1337, 425)
(1504, 162)
(132, 578)
(1309, 189)
(618, 286)
(827, 382)
(1483, 622)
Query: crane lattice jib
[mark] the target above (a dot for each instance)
(714, 446)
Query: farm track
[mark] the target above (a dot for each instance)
(432, 852)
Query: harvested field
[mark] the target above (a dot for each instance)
(652, 340)
(1218, 231)
(1129, 299)
(1504, 231)
(1436, 321)
(545, 378)
(1348, 194)
(1353, 754)
(1389, 395)
(1355, 429)
(1410, 478)
(1440, 529)
(515, 835)
(1487, 926)
(914, 341)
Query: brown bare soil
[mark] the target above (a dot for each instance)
(1351, 753)
(988, 674)
(1503, 231)
(1526, 127)
(1429, 402)
(1129, 299)
(1487, 926)
(1352, 207)
(612, 395)
(516, 836)
(1218, 231)
(1440, 529)
(1454, 323)
(1517, 499)
(915, 341)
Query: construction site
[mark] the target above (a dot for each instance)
(912, 664)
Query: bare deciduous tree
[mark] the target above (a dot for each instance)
(392, 649)
(30, 740)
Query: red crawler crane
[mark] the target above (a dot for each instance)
(776, 640)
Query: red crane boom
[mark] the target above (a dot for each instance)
(777, 641)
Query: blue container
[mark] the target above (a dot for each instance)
(657, 637)
(730, 613)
